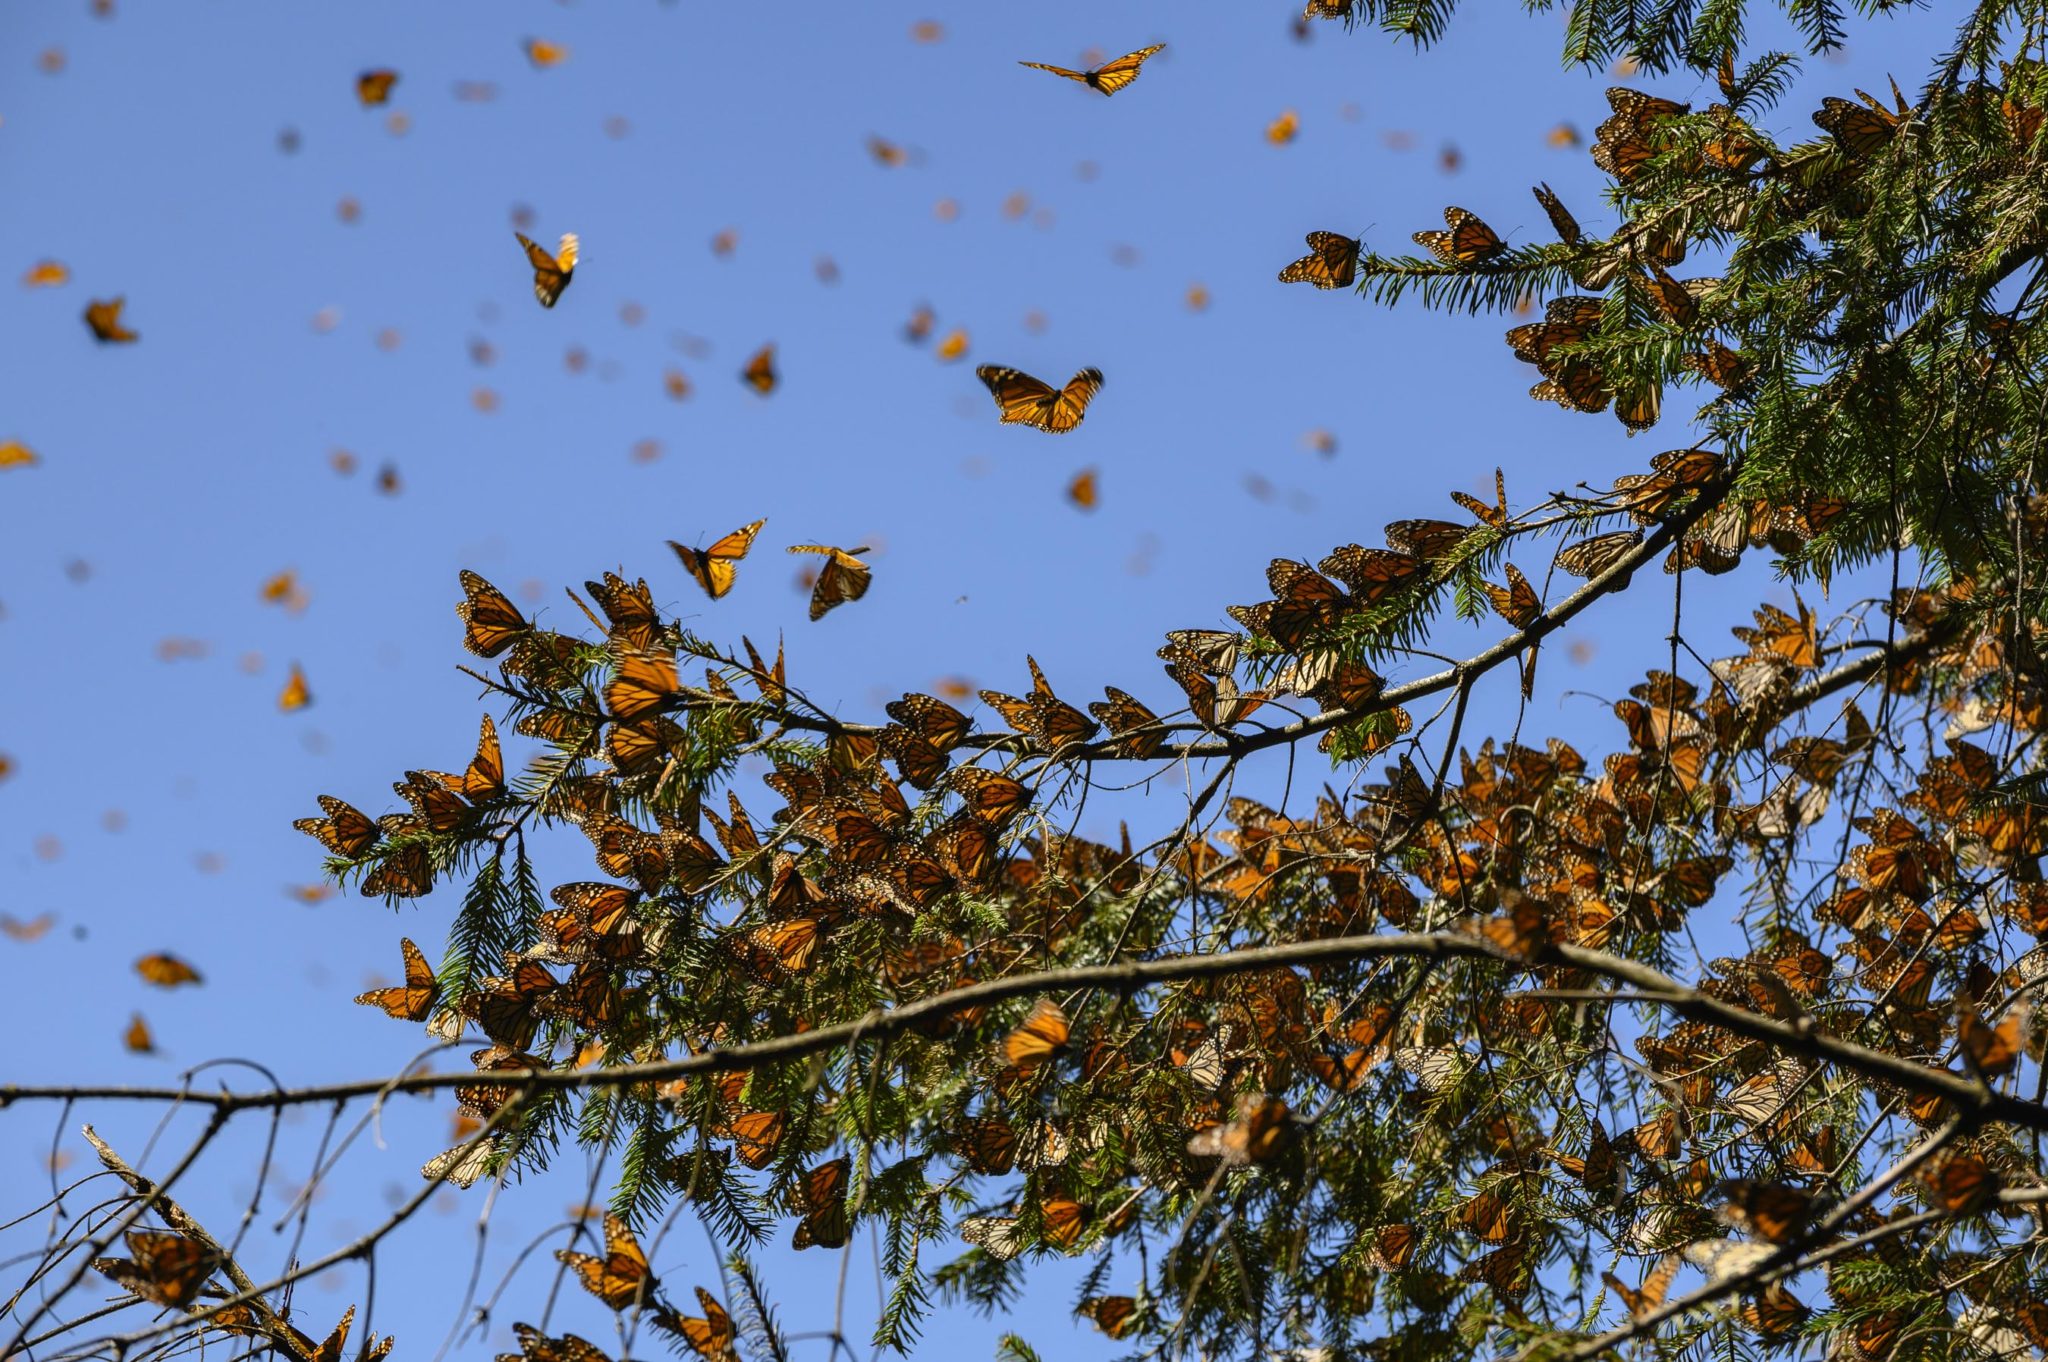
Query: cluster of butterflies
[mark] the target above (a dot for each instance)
(173, 1271)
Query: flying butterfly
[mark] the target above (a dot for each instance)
(843, 578)
(1025, 400)
(760, 372)
(1468, 241)
(710, 1337)
(620, 1278)
(345, 831)
(1646, 1298)
(1332, 262)
(415, 998)
(374, 87)
(166, 970)
(551, 273)
(1043, 1035)
(167, 1269)
(1114, 1315)
(104, 317)
(713, 567)
(1517, 602)
(1110, 76)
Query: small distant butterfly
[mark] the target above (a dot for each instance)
(1332, 262)
(760, 372)
(104, 317)
(1082, 490)
(1043, 1035)
(1467, 242)
(1110, 76)
(374, 87)
(297, 694)
(1025, 400)
(551, 273)
(544, 54)
(843, 578)
(713, 566)
(137, 1038)
(412, 1000)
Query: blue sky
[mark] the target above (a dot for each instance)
(183, 471)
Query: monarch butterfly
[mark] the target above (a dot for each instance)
(1043, 1036)
(932, 719)
(412, 1000)
(1646, 1298)
(988, 1144)
(435, 806)
(405, 873)
(821, 1199)
(374, 87)
(297, 693)
(1044, 716)
(1771, 1211)
(329, 1349)
(1110, 76)
(1426, 538)
(544, 54)
(621, 1277)
(1332, 262)
(551, 273)
(1135, 731)
(628, 610)
(1082, 490)
(1960, 1183)
(490, 622)
(917, 761)
(1861, 129)
(504, 1004)
(642, 682)
(1588, 558)
(760, 372)
(104, 317)
(1566, 226)
(1212, 650)
(637, 747)
(756, 1135)
(843, 578)
(592, 916)
(1517, 602)
(990, 797)
(345, 831)
(462, 1165)
(968, 849)
(1775, 1313)
(1062, 1220)
(1371, 574)
(995, 1235)
(485, 778)
(1719, 365)
(1640, 409)
(535, 1346)
(1467, 242)
(710, 1337)
(1216, 703)
(713, 567)
(168, 1269)
(1495, 515)
(919, 328)
(1025, 400)
(1260, 1131)
(1392, 1247)
(1114, 1315)
(918, 879)
(137, 1038)
(166, 970)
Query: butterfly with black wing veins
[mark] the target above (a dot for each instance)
(551, 273)
(713, 567)
(843, 578)
(1332, 262)
(1107, 78)
(1024, 400)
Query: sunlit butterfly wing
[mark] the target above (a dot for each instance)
(1467, 240)
(713, 567)
(415, 998)
(551, 273)
(168, 1269)
(346, 831)
(1332, 262)
(620, 1278)
(491, 624)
